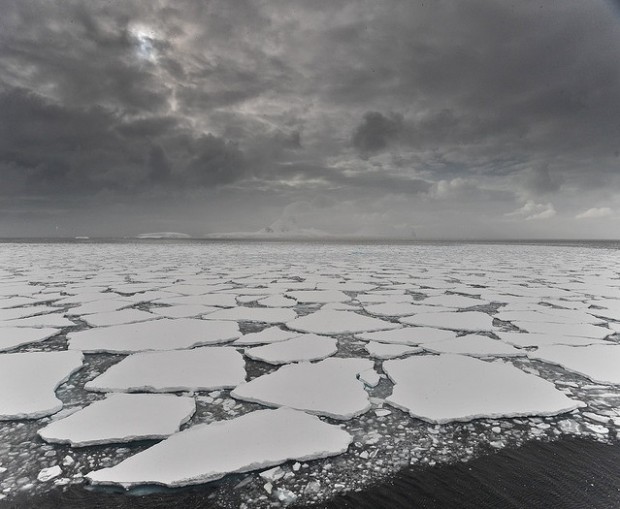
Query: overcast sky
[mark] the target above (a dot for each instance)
(446, 118)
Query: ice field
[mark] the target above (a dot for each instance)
(280, 372)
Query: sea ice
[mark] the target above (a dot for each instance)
(200, 369)
(28, 382)
(526, 340)
(445, 388)
(398, 309)
(16, 313)
(408, 335)
(453, 301)
(318, 296)
(12, 337)
(268, 335)
(389, 351)
(472, 344)
(277, 301)
(49, 320)
(211, 299)
(121, 418)
(264, 315)
(183, 311)
(163, 334)
(599, 363)
(307, 347)
(329, 388)
(467, 320)
(207, 452)
(100, 306)
(118, 317)
(327, 321)
(560, 329)
(549, 315)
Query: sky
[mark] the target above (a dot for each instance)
(442, 119)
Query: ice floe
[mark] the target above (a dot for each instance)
(28, 382)
(207, 452)
(389, 351)
(12, 337)
(100, 306)
(329, 388)
(318, 296)
(199, 369)
(398, 309)
(122, 418)
(307, 347)
(277, 301)
(265, 315)
(453, 301)
(118, 317)
(268, 335)
(466, 320)
(163, 334)
(183, 311)
(599, 363)
(445, 388)
(408, 335)
(561, 329)
(473, 344)
(524, 339)
(49, 320)
(326, 321)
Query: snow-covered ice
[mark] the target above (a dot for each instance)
(207, 452)
(562, 329)
(329, 388)
(318, 296)
(398, 309)
(163, 334)
(475, 345)
(326, 321)
(242, 313)
(389, 351)
(100, 306)
(307, 347)
(453, 301)
(524, 339)
(28, 382)
(12, 337)
(118, 317)
(445, 388)
(48, 320)
(268, 335)
(183, 310)
(121, 418)
(599, 363)
(201, 369)
(277, 301)
(466, 320)
(408, 335)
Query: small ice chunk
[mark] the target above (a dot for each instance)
(466, 320)
(327, 321)
(47, 474)
(445, 388)
(253, 441)
(599, 363)
(28, 382)
(122, 418)
(329, 388)
(370, 377)
(12, 337)
(472, 344)
(242, 313)
(307, 347)
(199, 369)
(389, 351)
(269, 335)
(118, 317)
(163, 334)
(408, 335)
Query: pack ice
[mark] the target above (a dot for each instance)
(307, 347)
(208, 452)
(327, 321)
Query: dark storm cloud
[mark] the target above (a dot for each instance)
(131, 99)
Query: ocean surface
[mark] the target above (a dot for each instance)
(395, 460)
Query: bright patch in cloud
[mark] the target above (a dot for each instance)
(534, 211)
(594, 213)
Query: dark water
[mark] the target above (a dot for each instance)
(568, 473)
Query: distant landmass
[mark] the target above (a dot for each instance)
(164, 235)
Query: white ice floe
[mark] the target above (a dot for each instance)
(445, 388)
(549, 315)
(28, 382)
(381, 298)
(207, 452)
(453, 301)
(121, 418)
(467, 320)
(524, 339)
(307, 347)
(277, 301)
(16, 313)
(212, 299)
(49, 320)
(389, 351)
(183, 311)
(318, 296)
(599, 363)
(408, 335)
(329, 388)
(475, 345)
(12, 337)
(268, 335)
(327, 321)
(561, 329)
(118, 317)
(200, 369)
(49, 473)
(398, 309)
(247, 314)
(163, 334)
(100, 306)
